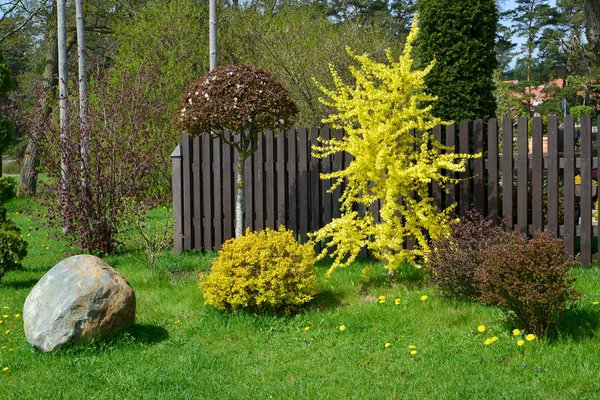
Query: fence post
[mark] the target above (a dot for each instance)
(176, 163)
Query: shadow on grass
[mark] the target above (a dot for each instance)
(24, 284)
(326, 299)
(579, 324)
(146, 334)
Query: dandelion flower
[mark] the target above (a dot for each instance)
(5, 307)
(5, 316)
(516, 332)
(342, 327)
(595, 303)
(397, 302)
(381, 297)
(17, 315)
(423, 298)
(7, 332)
(387, 345)
(481, 328)
(488, 341)
(3, 347)
(5, 369)
(530, 337)
(494, 339)
(520, 342)
(413, 352)
(412, 347)
(307, 328)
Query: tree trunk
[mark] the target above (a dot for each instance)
(83, 93)
(212, 33)
(592, 15)
(31, 160)
(239, 197)
(63, 96)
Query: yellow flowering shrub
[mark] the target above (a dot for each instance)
(379, 114)
(261, 271)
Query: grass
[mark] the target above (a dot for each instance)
(179, 348)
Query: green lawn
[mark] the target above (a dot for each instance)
(180, 348)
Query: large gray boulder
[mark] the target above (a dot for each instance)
(80, 299)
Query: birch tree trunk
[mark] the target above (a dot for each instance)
(212, 33)
(63, 98)
(83, 93)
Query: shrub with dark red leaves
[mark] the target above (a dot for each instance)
(453, 260)
(529, 280)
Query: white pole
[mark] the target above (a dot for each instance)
(212, 33)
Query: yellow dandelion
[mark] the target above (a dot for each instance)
(1, 321)
(17, 315)
(595, 303)
(7, 332)
(413, 352)
(412, 347)
(11, 349)
(387, 345)
(381, 301)
(516, 332)
(423, 298)
(3, 347)
(481, 328)
(488, 341)
(342, 327)
(178, 322)
(307, 328)
(397, 302)
(5, 307)
(530, 337)
(5, 369)
(381, 298)
(5, 316)
(520, 342)
(494, 339)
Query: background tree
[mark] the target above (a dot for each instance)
(592, 19)
(460, 36)
(6, 125)
(244, 100)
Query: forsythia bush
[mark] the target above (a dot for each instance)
(529, 280)
(379, 115)
(261, 271)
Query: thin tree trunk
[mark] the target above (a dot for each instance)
(31, 160)
(239, 197)
(212, 33)
(83, 93)
(64, 101)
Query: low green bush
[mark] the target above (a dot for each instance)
(452, 261)
(13, 248)
(8, 188)
(529, 280)
(261, 271)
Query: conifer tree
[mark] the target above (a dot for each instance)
(460, 36)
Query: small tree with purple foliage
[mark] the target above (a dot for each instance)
(243, 100)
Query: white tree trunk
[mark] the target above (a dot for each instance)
(63, 96)
(239, 198)
(212, 33)
(83, 93)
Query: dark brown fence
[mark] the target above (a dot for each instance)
(283, 185)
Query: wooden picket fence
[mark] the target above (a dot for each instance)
(283, 184)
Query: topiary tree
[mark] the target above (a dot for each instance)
(379, 114)
(242, 99)
(460, 36)
(578, 111)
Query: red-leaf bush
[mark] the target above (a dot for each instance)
(127, 172)
(452, 261)
(529, 280)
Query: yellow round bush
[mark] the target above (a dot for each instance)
(261, 271)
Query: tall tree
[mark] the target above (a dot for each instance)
(460, 36)
(83, 92)
(63, 85)
(592, 15)
(6, 125)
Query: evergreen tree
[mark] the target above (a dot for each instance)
(460, 37)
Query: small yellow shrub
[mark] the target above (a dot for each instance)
(261, 271)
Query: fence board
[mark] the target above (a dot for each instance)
(326, 183)
(217, 194)
(259, 185)
(586, 190)
(478, 168)
(292, 165)
(188, 200)
(451, 187)
(315, 187)
(507, 173)
(522, 175)
(436, 189)
(196, 189)
(303, 182)
(553, 163)
(228, 188)
(492, 166)
(282, 199)
(207, 193)
(464, 203)
(177, 184)
(337, 166)
(269, 157)
(569, 185)
(537, 177)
